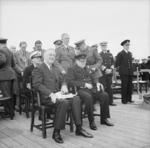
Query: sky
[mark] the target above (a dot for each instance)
(92, 20)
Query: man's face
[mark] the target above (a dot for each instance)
(23, 46)
(82, 46)
(126, 46)
(3, 45)
(66, 39)
(38, 46)
(49, 56)
(37, 61)
(104, 47)
(57, 46)
(81, 62)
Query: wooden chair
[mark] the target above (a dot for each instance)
(24, 99)
(6, 98)
(44, 110)
(138, 83)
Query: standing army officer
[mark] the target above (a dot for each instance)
(93, 59)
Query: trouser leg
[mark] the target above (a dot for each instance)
(76, 110)
(124, 80)
(109, 89)
(87, 98)
(103, 99)
(60, 117)
(129, 89)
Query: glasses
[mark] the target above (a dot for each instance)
(127, 45)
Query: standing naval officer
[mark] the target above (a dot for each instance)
(124, 64)
(107, 70)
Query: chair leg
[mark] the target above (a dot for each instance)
(32, 119)
(146, 85)
(43, 123)
(71, 123)
(20, 103)
(11, 108)
(27, 107)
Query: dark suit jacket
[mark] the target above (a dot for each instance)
(124, 63)
(46, 81)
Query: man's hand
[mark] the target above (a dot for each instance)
(103, 67)
(93, 68)
(112, 67)
(108, 71)
(28, 85)
(88, 85)
(53, 97)
(63, 72)
(21, 73)
(99, 87)
(64, 89)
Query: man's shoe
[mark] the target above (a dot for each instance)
(57, 137)
(93, 126)
(83, 133)
(106, 122)
(113, 104)
(131, 101)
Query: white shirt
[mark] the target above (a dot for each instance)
(49, 67)
(125, 50)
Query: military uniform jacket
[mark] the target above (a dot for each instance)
(65, 57)
(124, 63)
(78, 76)
(94, 60)
(108, 59)
(22, 60)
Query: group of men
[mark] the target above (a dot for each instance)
(82, 68)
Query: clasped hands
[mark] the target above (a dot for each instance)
(98, 85)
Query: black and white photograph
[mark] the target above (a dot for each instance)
(74, 73)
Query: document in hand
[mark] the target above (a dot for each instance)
(59, 95)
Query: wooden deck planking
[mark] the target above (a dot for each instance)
(131, 130)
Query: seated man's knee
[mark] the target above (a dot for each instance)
(76, 100)
(86, 97)
(104, 97)
(63, 103)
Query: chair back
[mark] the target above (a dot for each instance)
(6, 88)
(35, 95)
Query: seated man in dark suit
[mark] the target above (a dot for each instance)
(80, 77)
(36, 60)
(48, 80)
